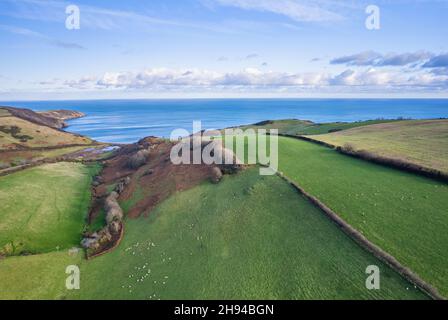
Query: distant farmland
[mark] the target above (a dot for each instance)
(16, 132)
(423, 142)
(303, 127)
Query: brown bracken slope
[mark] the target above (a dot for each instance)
(154, 181)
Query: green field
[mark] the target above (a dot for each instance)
(4, 113)
(423, 142)
(18, 157)
(249, 237)
(404, 214)
(40, 276)
(44, 208)
(301, 127)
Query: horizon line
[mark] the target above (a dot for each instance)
(223, 98)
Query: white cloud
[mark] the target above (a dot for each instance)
(369, 77)
(164, 79)
(372, 58)
(83, 83)
(438, 61)
(207, 78)
(252, 56)
(298, 10)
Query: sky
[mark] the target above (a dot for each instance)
(223, 49)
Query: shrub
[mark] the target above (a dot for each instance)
(90, 243)
(113, 209)
(4, 165)
(111, 200)
(8, 249)
(114, 227)
(114, 214)
(14, 131)
(264, 123)
(216, 175)
(119, 188)
(367, 155)
(348, 147)
(148, 172)
(334, 130)
(138, 159)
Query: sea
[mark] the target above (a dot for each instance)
(126, 121)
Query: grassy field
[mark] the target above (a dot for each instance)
(404, 214)
(43, 208)
(4, 113)
(301, 127)
(23, 156)
(247, 237)
(41, 136)
(424, 142)
(40, 276)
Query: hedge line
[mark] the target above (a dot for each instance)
(385, 161)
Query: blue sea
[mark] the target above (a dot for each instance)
(124, 121)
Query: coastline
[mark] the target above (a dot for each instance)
(127, 121)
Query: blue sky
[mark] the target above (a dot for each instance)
(223, 48)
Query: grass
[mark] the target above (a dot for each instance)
(321, 128)
(44, 208)
(53, 153)
(254, 237)
(42, 136)
(137, 195)
(4, 113)
(301, 127)
(99, 222)
(249, 237)
(20, 156)
(283, 126)
(404, 214)
(39, 276)
(423, 142)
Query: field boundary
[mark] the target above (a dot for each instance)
(355, 235)
(38, 163)
(58, 159)
(385, 161)
(52, 147)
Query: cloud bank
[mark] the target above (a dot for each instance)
(375, 59)
(297, 10)
(160, 79)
